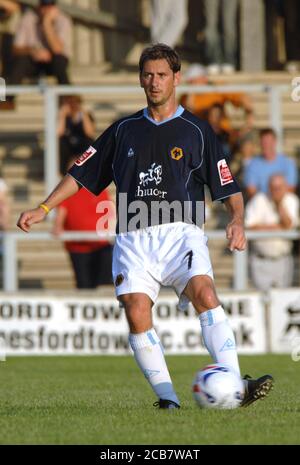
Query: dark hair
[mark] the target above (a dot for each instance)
(47, 2)
(266, 131)
(159, 52)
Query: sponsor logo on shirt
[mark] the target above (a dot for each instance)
(85, 156)
(224, 172)
(130, 152)
(176, 153)
(153, 174)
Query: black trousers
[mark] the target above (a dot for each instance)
(6, 55)
(25, 66)
(92, 269)
(291, 11)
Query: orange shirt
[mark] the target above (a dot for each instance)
(200, 103)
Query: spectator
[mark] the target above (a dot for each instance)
(245, 150)
(271, 261)
(215, 116)
(199, 104)
(91, 260)
(9, 18)
(168, 20)
(4, 206)
(76, 129)
(221, 57)
(262, 167)
(42, 44)
(282, 27)
(291, 13)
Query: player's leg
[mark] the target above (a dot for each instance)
(217, 334)
(147, 348)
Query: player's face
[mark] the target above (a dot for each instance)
(158, 81)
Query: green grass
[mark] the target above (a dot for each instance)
(105, 400)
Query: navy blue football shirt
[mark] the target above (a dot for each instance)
(155, 165)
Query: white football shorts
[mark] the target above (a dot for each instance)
(164, 255)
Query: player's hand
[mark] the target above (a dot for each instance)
(30, 217)
(236, 235)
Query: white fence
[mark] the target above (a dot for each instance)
(10, 241)
(51, 94)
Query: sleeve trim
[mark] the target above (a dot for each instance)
(226, 196)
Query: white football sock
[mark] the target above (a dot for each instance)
(218, 337)
(148, 353)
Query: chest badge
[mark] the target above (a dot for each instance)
(176, 153)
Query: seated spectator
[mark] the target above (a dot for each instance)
(243, 154)
(91, 260)
(262, 167)
(76, 129)
(271, 261)
(199, 104)
(9, 18)
(215, 117)
(42, 44)
(4, 206)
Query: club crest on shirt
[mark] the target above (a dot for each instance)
(224, 172)
(119, 279)
(176, 153)
(85, 156)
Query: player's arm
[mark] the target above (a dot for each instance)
(65, 189)
(235, 229)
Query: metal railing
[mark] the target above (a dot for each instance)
(51, 94)
(240, 259)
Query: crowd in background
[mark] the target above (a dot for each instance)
(37, 42)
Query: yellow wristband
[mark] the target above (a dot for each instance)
(44, 207)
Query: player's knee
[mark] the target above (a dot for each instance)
(138, 312)
(206, 298)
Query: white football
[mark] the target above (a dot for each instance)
(218, 386)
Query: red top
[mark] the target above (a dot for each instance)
(82, 216)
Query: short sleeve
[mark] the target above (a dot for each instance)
(291, 204)
(250, 176)
(93, 169)
(255, 210)
(23, 33)
(64, 32)
(215, 169)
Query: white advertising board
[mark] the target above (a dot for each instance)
(285, 320)
(41, 324)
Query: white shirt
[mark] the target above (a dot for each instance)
(262, 210)
(30, 32)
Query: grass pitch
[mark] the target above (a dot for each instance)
(105, 400)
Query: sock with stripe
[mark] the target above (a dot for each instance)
(149, 355)
(218, 337)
